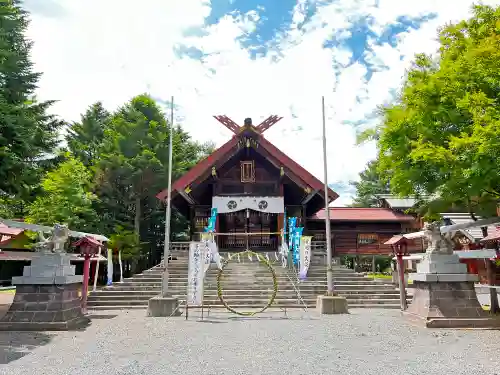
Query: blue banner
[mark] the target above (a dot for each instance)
(292, 221)
(212, 220)
(296, 244)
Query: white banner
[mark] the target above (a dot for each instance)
(110, 267)
(305, 255)
(284, 253)
(211, 253)
(262, 204)
(195, 274)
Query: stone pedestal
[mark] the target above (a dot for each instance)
(163, 307)
(329, 305)
(46, 297)
(444, 295)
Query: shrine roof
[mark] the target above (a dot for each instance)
(362, 214)
(26, 255)
(464, 217)
(8, 231)
(194, 173)
(493, 235)
(203, 165)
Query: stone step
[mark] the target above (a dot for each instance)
(151, 293)
(303, 287)
(243, 276)
(248, 303)
(311, 307)
(237, 294)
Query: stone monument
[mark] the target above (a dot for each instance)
(47, 294)
(444, 294)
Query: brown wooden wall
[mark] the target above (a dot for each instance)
(347, 238)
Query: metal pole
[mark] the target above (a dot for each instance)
(329, 270)
(166, 249)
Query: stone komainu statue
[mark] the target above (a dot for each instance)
(438, 243)
(55, 242)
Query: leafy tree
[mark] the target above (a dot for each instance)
(28, 134)
(442, 137)
(65, 198)
(85, 138)
(370, 185)
(126, 242)
(133, 167)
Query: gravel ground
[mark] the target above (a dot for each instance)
(364, 342)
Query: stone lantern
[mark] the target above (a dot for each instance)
(88, 247)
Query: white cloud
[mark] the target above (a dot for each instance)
(112, 50)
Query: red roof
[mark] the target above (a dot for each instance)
(8, 231)
(394, 240)
(190, 176)
(87, 240)
(494, 236)
(362, 214)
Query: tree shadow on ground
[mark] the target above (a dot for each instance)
(15, 345)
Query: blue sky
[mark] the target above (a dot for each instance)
(242, 58)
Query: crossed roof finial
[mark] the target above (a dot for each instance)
(235, 128)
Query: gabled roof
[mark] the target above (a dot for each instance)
(464, 217)
(363, 214)
(493, 235)
(8, 231)
(194, 173)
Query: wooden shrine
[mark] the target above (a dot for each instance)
(253, 183)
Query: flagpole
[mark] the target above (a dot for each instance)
(168, 211)
(329, 270)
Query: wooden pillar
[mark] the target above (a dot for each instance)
(304, 217)
(217, 229)
(281, 216)
(192, 223)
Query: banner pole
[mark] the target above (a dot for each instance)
(329, 270)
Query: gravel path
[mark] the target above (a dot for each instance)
(364, 342)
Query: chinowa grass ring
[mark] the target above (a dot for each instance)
(262, 260)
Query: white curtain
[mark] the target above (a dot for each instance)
(262, 204)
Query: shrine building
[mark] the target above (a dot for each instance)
(254, 185)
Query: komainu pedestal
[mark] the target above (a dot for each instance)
(445, 297)
(46, 296)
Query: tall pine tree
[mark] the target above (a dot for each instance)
(84, 138)
(28, 134)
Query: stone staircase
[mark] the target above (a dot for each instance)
(247, 284)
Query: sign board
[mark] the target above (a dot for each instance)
(196, 273)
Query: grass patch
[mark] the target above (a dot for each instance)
(379, 276)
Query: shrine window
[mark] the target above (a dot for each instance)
(367, 239)
(247, 171)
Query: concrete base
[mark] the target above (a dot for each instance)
(329, 305)
(45, 308)
(163, 306)
(441, 264)
(448, 304)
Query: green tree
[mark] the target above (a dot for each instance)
(85, 138)
(370, 185)
(28, 134)
(126, 242)
(133, 167)
(65, 198)
(442, 137)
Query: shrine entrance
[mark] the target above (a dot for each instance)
(248, 229)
